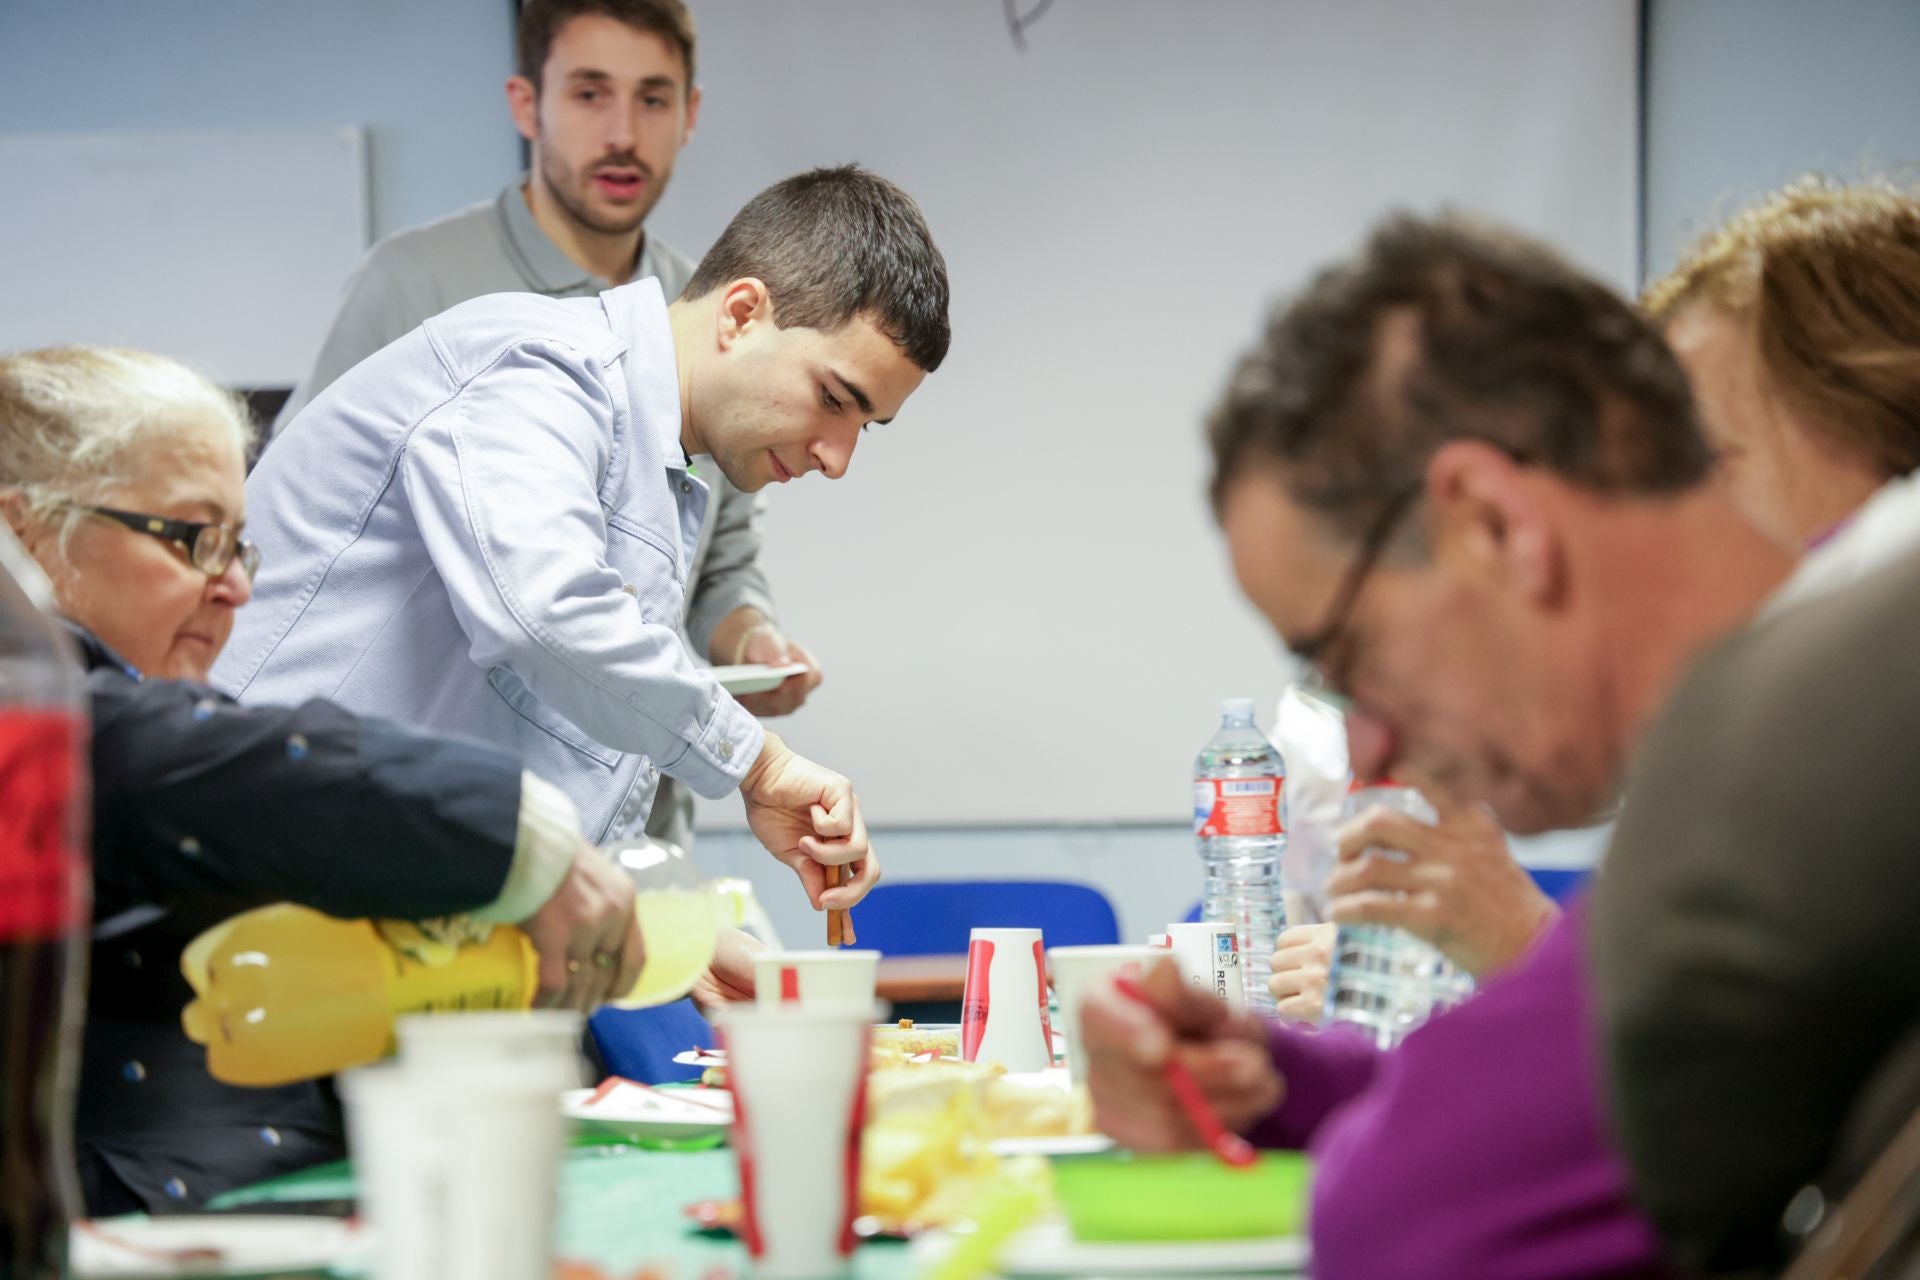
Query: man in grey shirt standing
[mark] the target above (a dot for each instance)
(605, 98)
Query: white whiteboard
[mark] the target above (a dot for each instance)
(1021, 604)
(225, 249)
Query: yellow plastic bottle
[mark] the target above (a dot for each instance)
(284, 993)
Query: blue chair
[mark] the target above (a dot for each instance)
(640, 1044)
(1560, 883)
(933, 917)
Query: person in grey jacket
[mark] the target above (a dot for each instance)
(604, 96)
(1754, 927)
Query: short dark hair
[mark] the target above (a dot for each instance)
(541, 20)
(1511, 346)
(832, 244)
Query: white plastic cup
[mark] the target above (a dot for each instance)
(1209, 957)
(815, 979)
(799, 1081)
(1076, 971)
(457, 1168)
(1003, 1010)
(496, 1037)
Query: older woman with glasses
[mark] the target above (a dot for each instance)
(123, 474)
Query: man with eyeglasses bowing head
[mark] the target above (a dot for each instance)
(1469, 482)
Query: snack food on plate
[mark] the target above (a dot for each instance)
(905, 1040)
(1036, 1106)
(926, 1154)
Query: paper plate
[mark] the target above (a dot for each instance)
(701, 1057)
(755, 677)
(215, 1244)
(620, 1108)
(1075, 1144)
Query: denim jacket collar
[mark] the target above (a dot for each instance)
(638, 315)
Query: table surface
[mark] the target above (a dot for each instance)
(621, 1209)
(920, 979)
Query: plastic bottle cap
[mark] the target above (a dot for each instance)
(1237, 708)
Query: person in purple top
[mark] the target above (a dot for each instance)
(1468, 485)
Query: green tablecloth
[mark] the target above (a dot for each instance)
(620, 1208)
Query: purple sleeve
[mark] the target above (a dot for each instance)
(1482, 1141)
(1320, 1070)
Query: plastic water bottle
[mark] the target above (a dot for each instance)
(283, 993)
(1383, 978)
(1237, 785)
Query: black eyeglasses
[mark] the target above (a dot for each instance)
(1321, 682)
(211, 548)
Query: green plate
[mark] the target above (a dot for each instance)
(1189, 1195)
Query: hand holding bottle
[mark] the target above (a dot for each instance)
(808, 817)
(587, 936)
(1454, 883)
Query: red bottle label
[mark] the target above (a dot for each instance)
(1237, 806)
(42, 868)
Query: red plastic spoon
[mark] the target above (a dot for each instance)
(1230, 1147)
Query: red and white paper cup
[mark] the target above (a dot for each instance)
(1003, 1012)
(799, 1082)
(838, 979)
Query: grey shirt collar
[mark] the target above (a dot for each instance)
(545, 265)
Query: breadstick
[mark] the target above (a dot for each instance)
(836, 919)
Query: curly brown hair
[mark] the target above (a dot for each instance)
(1828, 277)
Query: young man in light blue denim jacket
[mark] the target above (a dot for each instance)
(486, 526)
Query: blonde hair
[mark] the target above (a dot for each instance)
(79, 422)
(1828, 278)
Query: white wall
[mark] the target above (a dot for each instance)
(1018, 593)
(1151, 874)
(1744, 95)
(424, 76)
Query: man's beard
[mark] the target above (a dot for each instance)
(560, 184)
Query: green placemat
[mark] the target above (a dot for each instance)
(620, 1209)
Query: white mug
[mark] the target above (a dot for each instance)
(1209, 956)
(1075, 972)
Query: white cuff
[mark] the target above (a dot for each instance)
(543, 851)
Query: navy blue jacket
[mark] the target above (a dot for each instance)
(203, 808)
